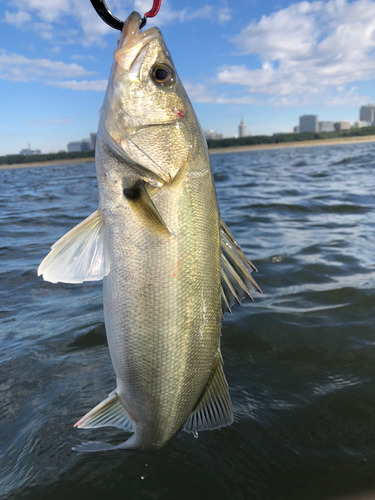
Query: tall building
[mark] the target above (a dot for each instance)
(93, 140)
(367, 114)
(308, 123)
(86, 145)
(326, 127)
(242, 129)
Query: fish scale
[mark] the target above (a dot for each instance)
(169, 336)
(170, 266)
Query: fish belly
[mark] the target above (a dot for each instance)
(162, 305)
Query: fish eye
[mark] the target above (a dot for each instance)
(163, 75)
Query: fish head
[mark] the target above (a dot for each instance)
(147, 119)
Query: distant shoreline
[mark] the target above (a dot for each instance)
(296, 144)
(50, 163)
(234, 149)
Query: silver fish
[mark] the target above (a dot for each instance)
(171, 267)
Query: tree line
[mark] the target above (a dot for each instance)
(212, 143)
(13, 159)
(276, 139)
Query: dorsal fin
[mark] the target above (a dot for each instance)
(236, 280)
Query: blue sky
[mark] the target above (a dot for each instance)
(268, 62)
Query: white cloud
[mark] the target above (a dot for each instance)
(245, 99)
(205, 12)
(44, 30)
(48, 11)
(307, 50)
(81, 57)
(17, 19)
(16, 67)
(200, 92)
(46, 16)
(54, 50)
(167, 14)
(211, 13)
(224, 15)
(94, 29)
(42, 123)
(339, 96)
(95, 85)
(284, 34)
(21, 68)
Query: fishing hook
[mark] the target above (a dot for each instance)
(151, 13)
(102, 9)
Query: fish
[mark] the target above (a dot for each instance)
(169, 264)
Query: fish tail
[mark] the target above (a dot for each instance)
(96, 446)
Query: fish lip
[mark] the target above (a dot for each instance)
(132, 41)
(131, 26)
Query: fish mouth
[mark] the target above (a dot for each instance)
(132, 41)
(131, 26)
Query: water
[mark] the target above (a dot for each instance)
(300, 361)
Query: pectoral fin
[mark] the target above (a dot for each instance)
(109, 413)
(236, 280)
(80, 255)
(142, 204)
(214, 409)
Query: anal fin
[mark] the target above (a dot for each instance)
(108, 413)
(214, 409)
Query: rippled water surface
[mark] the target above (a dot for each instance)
(300, 361)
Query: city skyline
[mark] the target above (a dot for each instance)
(308, 123)
(234, 59)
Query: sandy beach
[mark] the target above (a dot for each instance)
(236, 149)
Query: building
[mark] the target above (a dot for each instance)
(326, 127)
(84, 145)
(74, 146)
(210, 134)
(342, 126)
(308, 123)
(93, 140)
(358, 124)
(367, 114)
(296, 129)
(242, 129)
(29, 151)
